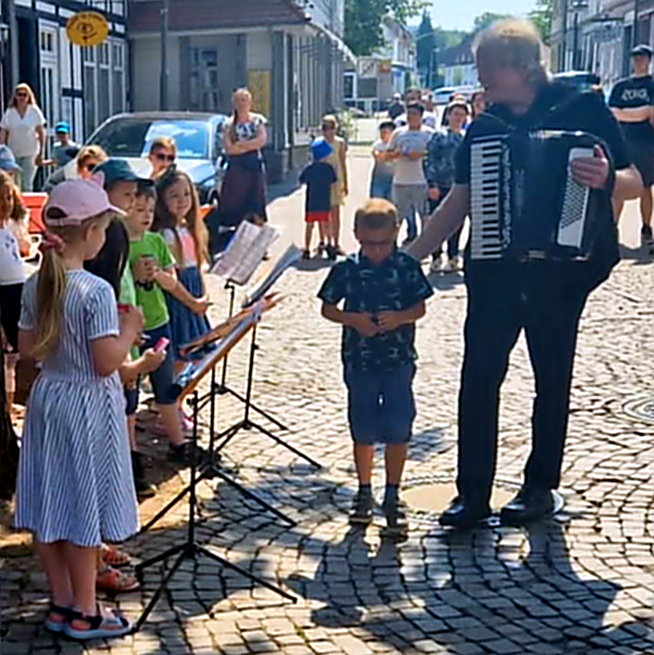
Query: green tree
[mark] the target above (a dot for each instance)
(541, 17)
(425, 44)
(486, 19)
(363, 21)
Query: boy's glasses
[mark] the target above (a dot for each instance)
(328, 128)
(161, 157)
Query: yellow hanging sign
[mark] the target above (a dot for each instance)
(87, 28)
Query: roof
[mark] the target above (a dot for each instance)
(145, 15)
(171, 116)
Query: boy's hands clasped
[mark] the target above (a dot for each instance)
(370, 325)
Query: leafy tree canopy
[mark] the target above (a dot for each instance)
(363, 21)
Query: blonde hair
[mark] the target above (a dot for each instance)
(18, 211)
(513, 43)
(23, 86)
(91, 152)
(51, 287)
(234, 118)
(331, 119)
(163, 142)
(376, 214)
(164, 220)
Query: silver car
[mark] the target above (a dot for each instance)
(198, 137)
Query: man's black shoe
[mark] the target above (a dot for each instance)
(529, 505)
(461, 515)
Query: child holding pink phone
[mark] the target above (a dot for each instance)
(153, 269)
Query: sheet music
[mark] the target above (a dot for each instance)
(292, 255)
(245, 252)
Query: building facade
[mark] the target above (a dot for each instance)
(289, 53)
(371, 83)
(457, 65)
(83, 86)
(597, 35)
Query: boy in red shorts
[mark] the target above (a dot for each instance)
(318, 177)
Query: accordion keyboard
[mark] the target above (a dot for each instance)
(486, 198)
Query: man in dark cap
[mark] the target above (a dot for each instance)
(632, 103)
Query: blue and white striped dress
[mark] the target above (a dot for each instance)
(75, 476)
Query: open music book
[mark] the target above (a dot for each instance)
(245, 252)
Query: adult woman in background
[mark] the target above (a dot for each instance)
(244, 186)
(163, 152)
(22, 128)
(81, 167)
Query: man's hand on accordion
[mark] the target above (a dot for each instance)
(592, 172)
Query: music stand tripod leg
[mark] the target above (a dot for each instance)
(281, 442)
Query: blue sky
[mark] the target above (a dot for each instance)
(460, 14)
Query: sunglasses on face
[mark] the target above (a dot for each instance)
(22, 94)
(161, 157)
(88, 167)
(327, 128)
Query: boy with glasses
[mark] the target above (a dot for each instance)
(383, 291)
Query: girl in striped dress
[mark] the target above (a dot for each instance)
(177, 219)
(75, 484)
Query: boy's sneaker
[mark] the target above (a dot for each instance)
(144, 489)
(331, 252)
(646, 237)
(397, 525)
(361, 512)
(184, 453)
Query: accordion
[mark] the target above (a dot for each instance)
(524, 203)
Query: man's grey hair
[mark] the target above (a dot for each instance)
(513, 43)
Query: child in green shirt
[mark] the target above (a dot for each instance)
(153, 269)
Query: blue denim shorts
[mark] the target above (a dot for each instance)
(162, 380)
(381, 407)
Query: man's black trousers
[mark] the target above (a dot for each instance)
(547, 304)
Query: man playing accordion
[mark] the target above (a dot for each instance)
(541, 241)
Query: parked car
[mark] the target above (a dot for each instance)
(442, 95)
(582, 80)
(198, 137)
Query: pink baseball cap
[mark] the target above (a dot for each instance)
(74, 201)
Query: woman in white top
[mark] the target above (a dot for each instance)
(23, 129)
(243, 191)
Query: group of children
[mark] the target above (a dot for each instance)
(119, 290)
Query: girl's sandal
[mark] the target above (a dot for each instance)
(104, 625)
(116, 582)
(115, 557)
(57, 626)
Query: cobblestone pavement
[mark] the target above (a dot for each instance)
(581, 584)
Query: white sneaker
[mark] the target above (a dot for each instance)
(436, 266)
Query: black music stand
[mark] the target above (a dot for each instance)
(222, 388)
(191, 549)
(246, 423)
(211, 468)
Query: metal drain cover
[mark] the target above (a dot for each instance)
(436, 496)
(642, 409)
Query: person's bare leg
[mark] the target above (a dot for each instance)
(53, 560)
(363, 460)
(308, 233)
(323, 231)
(336, 226)
(131, 432)
(646, 206)
(395, 457)
(11, 361)
(172, 424)
(82, 564)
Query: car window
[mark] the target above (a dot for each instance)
(132, 137)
